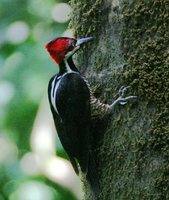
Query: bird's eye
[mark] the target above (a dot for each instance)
(72, 43)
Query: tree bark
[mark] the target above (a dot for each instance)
(130, 47)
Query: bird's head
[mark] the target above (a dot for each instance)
(63, 47)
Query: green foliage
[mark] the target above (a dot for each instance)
(25, 69)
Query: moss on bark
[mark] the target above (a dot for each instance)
(130, 47)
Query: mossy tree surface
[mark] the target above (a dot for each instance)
(130, 48)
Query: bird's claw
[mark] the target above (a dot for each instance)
(122, 102)
(121, 99)
(123, 89)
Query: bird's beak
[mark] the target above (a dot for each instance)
(83, 40)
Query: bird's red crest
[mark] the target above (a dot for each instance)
(58, 47)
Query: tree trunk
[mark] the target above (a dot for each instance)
(130, 47)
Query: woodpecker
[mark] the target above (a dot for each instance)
(71, 102)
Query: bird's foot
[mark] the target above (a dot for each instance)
(122, 100)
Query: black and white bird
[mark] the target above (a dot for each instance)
(71, 103)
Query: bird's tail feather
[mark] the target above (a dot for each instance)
(92, 176)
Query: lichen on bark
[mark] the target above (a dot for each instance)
(130, 47)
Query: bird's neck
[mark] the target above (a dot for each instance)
(66, 66)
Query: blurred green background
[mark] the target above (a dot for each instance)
(33, 164)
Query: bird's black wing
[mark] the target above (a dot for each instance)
(73, 118)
